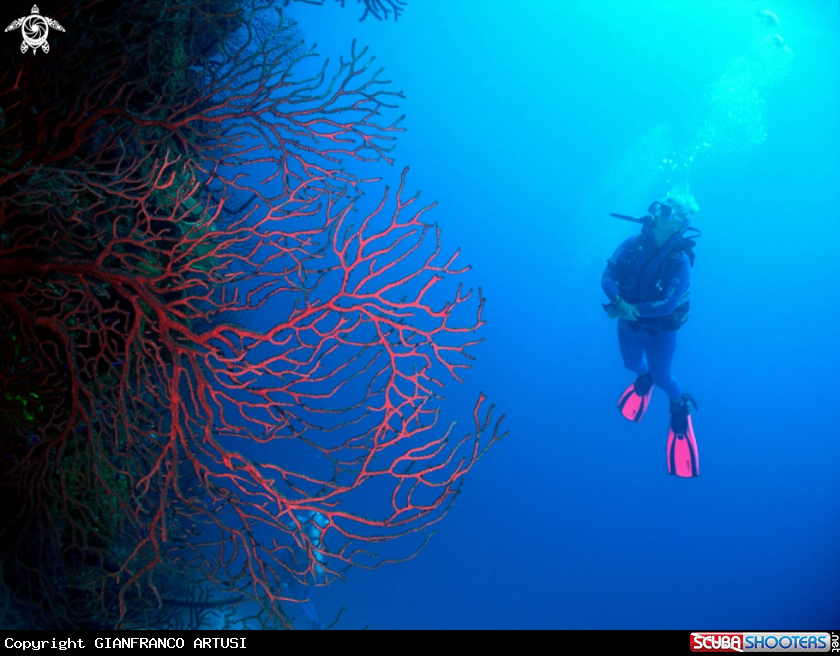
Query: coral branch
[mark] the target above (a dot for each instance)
(379, 9)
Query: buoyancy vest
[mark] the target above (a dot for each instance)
(631, 285)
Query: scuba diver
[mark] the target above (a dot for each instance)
(647, 282)
(312, 525)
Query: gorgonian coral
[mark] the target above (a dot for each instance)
(213, 379)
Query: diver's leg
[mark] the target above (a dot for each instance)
(660, 348)
(632, 348)
(309, 610)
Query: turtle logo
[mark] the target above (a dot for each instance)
(34, 29)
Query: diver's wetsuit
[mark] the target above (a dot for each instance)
(656, 287)
(298, 594)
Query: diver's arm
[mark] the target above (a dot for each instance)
(608, 281)
(674, 290)
(617, 308)
(609, 284)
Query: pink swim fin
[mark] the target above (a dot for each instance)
(683, 458)
(636, 398)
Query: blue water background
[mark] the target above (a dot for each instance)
(529, 121)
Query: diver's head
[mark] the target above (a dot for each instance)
(670, 215)
(681, 202)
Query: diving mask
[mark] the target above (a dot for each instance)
(660, 211)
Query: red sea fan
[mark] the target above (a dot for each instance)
(214, 381)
